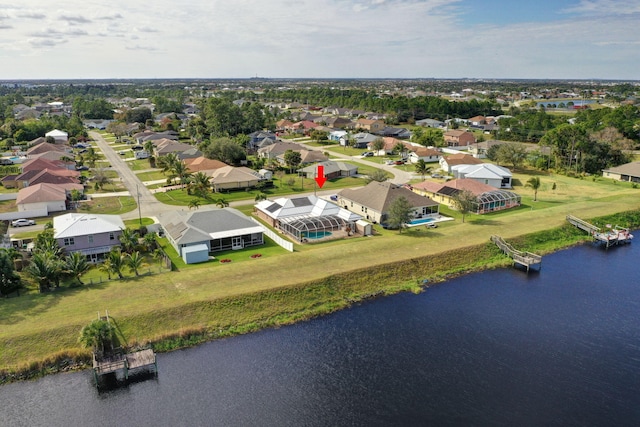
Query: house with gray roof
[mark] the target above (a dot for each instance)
(629, 172)
(92, 235)
(374, 200)
(196, 234)
(485, 173)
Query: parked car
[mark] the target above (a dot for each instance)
(367, 154)
(6, 162)
(22, 222)
(82, 168)
(141, 155)
(399, 162)
(137, 147)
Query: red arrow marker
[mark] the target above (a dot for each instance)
(320, 179)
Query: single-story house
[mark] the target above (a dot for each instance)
(40, 163)
(201, 164)
(279, 148)
(49, 176)
(167, 146)
(374, 200)
(479, 149)
(431, 123)
(446, 163)
(306, 217)
(49, 197)
(429, 155)
(486, 173)
(459, 138)
(339, 136)
(629, 172)
(93, 235)
(60, 136)
(234, 178)
(44, 147)
(489, 199)
(196, 234)
(393, 132)
(306, 157)
(371, 125)
(332, 169)
(362, 139)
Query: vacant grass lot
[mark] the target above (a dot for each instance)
(218, 299)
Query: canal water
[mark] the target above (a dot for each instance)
(499, 348)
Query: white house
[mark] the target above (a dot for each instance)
(485, 173)
(61, 137)
(45, 197)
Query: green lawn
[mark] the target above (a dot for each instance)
(35, 326)
(138, 165)
(151, 176)
(109, 205)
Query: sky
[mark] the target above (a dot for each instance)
(537, 39)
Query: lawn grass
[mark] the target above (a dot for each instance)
(109, 205)
(138, 165)
(151, 176)
(198, 303)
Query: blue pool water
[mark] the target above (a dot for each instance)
(421, 221)
(317, 234)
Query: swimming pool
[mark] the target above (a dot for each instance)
(421, 221)
(317, 234)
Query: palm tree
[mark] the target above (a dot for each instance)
(134, 261)
(148, 147)
(193, 203)
(168, 162)
(76, 265)
(149, 241)
(534, 183)
(116, 261)
(422, 168)
(128, 240)
(106, 267)
(200, 184)
(98, 335)
(222, 203)
(44, 268)
(181, 171)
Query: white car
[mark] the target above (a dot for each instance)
(22, 222)
(367, 154)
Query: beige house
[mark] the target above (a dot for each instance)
(370, 125)
(233, 178)
(374, 200)
(629, 172)
(459, 138)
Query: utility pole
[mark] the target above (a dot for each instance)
(139, 211)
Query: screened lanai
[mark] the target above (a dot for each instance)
(496, 200)
(314, 227)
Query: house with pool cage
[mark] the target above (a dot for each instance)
(308, 218)
(488, 198)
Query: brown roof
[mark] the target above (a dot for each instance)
(471, 185)
(43, 192)
(43, 147)
(40, 164)
(198, 164)
(462, 159)
(380, 195)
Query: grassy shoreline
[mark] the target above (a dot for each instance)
(177, 326)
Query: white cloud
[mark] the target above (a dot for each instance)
(311, 38)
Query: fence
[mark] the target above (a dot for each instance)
(280, 241)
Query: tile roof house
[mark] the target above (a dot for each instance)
(200, 164)
(374, 200)
(371, 125)
(92, 235)
(362, 139)
(166, 146)
(489, 199)
(195, 234)
(40, 163)
(446, 163)
(55, 155)
(629, 172)
(459, 138)
(424, 153)
(44, 147)
(306, 157)
(49, 176)
(46, 197)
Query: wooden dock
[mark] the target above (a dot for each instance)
(123, 363)
(526, 259)
(611, 236)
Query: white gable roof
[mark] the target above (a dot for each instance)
(74, 224)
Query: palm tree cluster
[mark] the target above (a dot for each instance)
(173, 167)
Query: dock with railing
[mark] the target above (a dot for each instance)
(526, 259)
(610, 236)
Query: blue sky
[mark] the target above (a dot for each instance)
(563, 39)
(500, 12)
